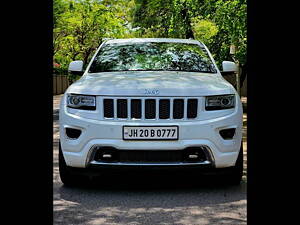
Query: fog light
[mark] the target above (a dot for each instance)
(106, 156)
(227, 133)
(193, 156)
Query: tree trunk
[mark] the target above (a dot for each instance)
(187, 22)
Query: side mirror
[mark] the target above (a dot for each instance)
(76, 67)
(229, 68)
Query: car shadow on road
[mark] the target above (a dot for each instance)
(134, 197)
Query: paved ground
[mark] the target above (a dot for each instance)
(147, 200)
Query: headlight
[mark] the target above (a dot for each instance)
(219, 102)
(81, 102)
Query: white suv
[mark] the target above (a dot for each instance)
(152, 103)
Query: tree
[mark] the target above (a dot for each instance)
(218, 23)
(81, 28)
(81, 25)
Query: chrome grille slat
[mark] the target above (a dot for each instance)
(184, 108)
(157, 111)
(129, 109)
(143, 109)
(115, 107)
(150, 108)
(171, 108)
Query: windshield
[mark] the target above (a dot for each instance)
(152, 56)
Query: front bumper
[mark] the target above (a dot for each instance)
(77, 152)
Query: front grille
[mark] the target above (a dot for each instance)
(150, 108)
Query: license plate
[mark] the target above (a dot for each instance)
(150, 133)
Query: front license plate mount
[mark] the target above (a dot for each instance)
(150, 133)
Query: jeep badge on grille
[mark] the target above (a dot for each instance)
(151, 92)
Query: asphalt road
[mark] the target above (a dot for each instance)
(155, 199)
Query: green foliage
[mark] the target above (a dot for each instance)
(59, 7)
(72, 78)
(204, 30)
(59, 70)
(80, 26)
(152, 18)
(230, 16)
(217, 23)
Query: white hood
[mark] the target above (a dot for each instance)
(166, 83)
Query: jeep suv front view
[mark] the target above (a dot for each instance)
(150, 103)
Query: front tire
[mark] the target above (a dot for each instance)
(236, 172)
(66, 176)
